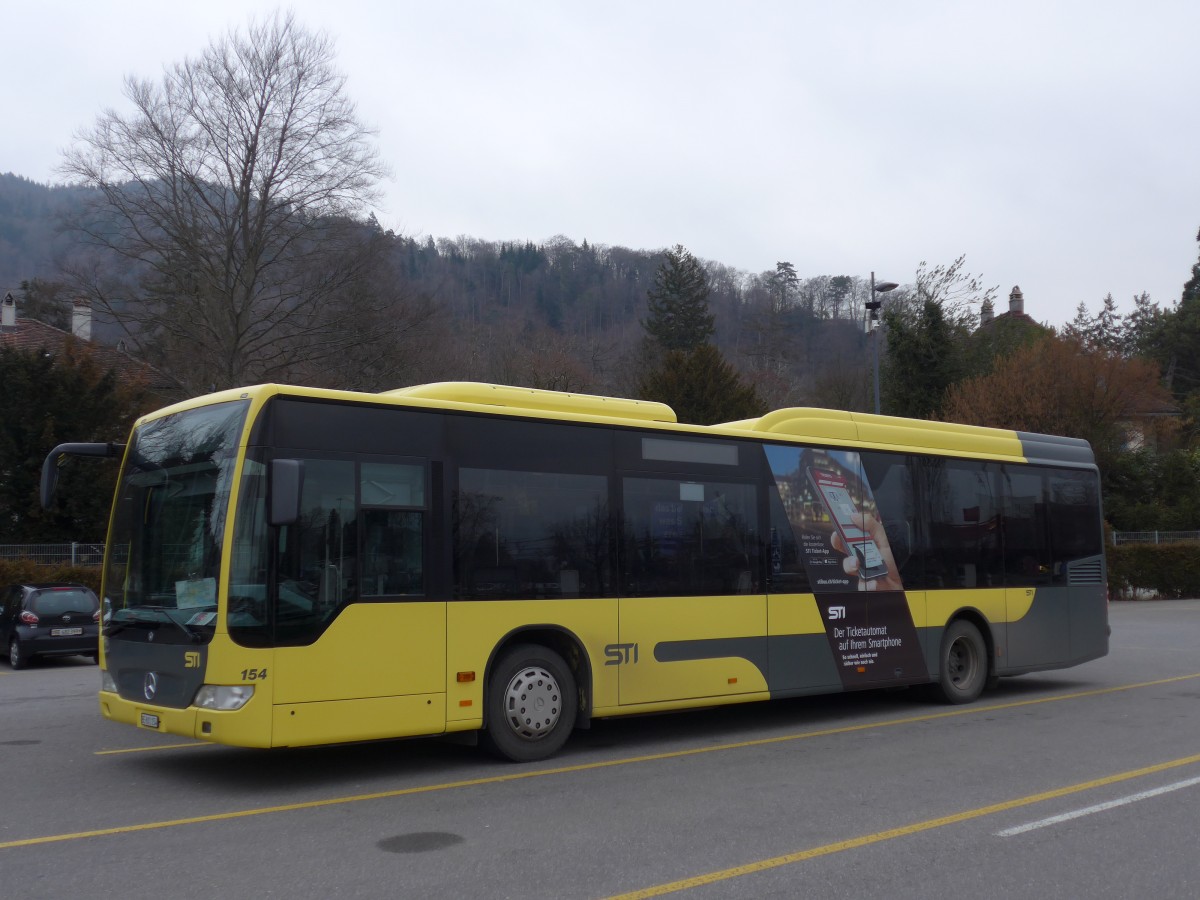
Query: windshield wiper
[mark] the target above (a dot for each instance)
(132, 619)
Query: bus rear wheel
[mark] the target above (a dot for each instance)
(531, 704)
(963, 663)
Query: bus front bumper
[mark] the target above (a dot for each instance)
(245, 727)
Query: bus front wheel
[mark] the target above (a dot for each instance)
(531, 704)
(963, 663)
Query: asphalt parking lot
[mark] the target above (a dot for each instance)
(1081, 782)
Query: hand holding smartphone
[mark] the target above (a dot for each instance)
(871, 561)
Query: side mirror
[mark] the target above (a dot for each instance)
(57, 457)
(285, 487)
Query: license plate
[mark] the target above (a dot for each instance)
(149, 720)
(65, 632)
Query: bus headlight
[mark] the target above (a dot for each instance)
(107, 682)
(217, 696)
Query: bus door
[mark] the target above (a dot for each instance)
(351, 618)
(692, 611)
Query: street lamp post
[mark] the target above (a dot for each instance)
(874, 303)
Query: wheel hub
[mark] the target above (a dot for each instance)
(961, 662)
(532, 703)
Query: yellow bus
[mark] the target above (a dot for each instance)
(289, 566)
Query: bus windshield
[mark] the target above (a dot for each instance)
(168, 527)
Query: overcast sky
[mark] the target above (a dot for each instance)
(1056, 144)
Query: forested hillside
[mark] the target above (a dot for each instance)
(557, 313)
(30, 238)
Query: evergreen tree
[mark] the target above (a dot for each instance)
(52, 398)
(678, 303)
(924, 358)
(1183, 338)
(1081, 327)
(1142, 332)
(679, 366)
(1106, 333)
(1191, 288)
(701, 387)
(783, 284)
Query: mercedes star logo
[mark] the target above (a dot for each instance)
(150, 685)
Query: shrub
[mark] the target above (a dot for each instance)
(1168, 570)
(17, 571)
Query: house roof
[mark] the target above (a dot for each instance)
(29, 335)
(1010, 316)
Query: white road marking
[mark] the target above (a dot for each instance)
(1099, 807)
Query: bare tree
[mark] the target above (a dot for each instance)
(1060, 386)
(956, 291)
(227, 193)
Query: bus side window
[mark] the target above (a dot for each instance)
(393, 529)
(891, 478)
(964, 540)
(689, 538)
(530, 534)
(1074, 502)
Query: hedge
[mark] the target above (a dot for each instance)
(23, 571)
(1166, 570)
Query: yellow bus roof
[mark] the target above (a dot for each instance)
(838, 427)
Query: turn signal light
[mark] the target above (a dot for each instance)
(466, 677)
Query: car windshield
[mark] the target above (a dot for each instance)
(164, 552)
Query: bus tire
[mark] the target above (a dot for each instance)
(530, 706)
(963, 663)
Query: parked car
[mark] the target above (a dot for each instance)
(48, 620)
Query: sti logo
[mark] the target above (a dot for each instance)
(837, 612)
(191, 660)
(620, 654)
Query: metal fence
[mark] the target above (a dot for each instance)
(73, 554)
(1154, 537)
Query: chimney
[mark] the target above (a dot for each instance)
(81, 320)
(8, 319)
(987, 312)
(1016, 302)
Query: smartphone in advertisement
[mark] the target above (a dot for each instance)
(835, 495)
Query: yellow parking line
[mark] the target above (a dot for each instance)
(775, 862)
(191, 746)
(583, 767)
